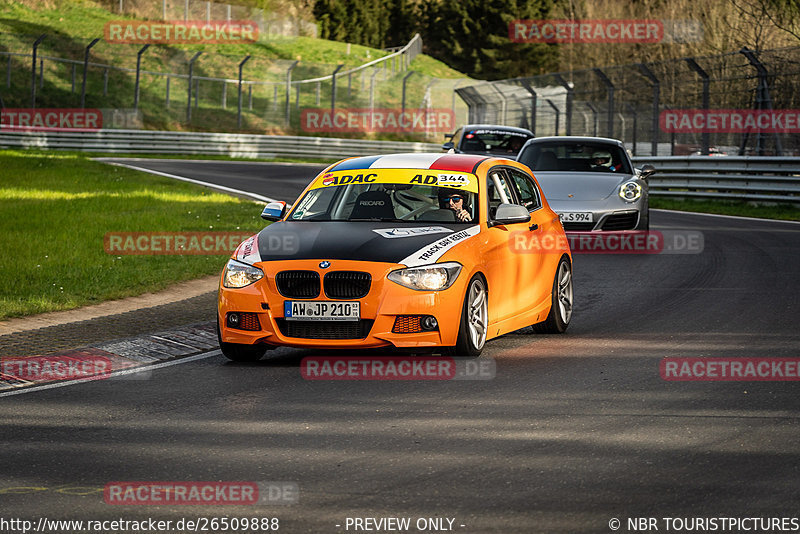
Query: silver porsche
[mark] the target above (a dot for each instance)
(590, 182)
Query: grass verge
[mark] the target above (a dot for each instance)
(786, 212)
(56, 209)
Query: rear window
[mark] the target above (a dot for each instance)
(489, 141)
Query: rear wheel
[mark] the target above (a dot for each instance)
(239, 352)
(561, 302)
(474, 319)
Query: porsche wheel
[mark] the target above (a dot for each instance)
(561, 302)
(239, 352)
(474, 319)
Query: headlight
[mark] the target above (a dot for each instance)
(630, 191)
(238, 274)
(427, 278)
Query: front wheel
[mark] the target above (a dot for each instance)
(474, 319)
(239, 352)
(561, 302)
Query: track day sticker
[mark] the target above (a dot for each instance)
(432, 252)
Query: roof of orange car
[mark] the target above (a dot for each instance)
(439, 162)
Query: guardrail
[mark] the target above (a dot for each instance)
(753, 178)
(226, 144)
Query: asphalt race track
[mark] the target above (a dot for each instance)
(572, 432)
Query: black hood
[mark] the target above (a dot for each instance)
(348, 240)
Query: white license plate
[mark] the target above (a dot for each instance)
(576, 216)
(318, 310)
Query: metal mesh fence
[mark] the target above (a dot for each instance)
(627, 102)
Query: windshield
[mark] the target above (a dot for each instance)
(503, 142)
(395, 202)
(575, 156)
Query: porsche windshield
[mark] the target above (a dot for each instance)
(575, 157)
(396, 202)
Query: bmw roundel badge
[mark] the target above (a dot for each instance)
(324, 264)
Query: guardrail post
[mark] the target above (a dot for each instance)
(703, 76)
(85, 68)
(33, 69)
(594, 118)
(405, 79)
(288, 92)
(610, 88)
(560, 79)
(138, 71)
(633, 112)
(189, 85)
(555, 108)
(239, 101)
(333, 86)
(526, 84)
(647, 73)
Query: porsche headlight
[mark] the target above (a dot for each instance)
(434, 277)
(238, 274)
(630, 191)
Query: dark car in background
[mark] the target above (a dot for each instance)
(590, 182)
(487, 139)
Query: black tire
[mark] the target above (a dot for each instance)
(473, 326)
(560, 301)
(239, 352)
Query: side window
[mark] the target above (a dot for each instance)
(528, 194)
(457, 138)
(493, 193)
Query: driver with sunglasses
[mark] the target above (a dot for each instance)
(456, 201)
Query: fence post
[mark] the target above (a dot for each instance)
(185, 10)
(105, 81)
(560, 79)
(8, 72)
(703, 76)
(633, 112)
(138, 72)
(169, 78)
(656, 95)
(189, 86)
(333, 87)
(503, 97)
(375, 71)
(405, 79)
(288, 117)
(85, 68)
(534, 96)
(594, 118)
(239, 101)
(610, 88)
(763, 101)
(224, 94)
(558, 113)
(33, 69)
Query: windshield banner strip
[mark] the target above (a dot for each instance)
(457, 180)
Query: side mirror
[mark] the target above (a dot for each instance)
(647, 171)
(511, 214)
(274, 211)
(448, 146)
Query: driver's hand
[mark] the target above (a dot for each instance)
(463, 215)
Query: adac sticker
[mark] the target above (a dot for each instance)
(463, 181)
(344, 179)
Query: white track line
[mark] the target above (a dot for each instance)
(114, 374)
(198, 182)
(226, 162)
(727, 216)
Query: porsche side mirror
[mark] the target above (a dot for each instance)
(274, 211)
